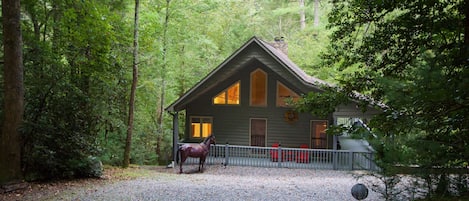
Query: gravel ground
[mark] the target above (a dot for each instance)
(223, 183)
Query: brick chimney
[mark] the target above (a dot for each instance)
(280, 44)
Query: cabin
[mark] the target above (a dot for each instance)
(244, 101)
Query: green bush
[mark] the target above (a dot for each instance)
(59, 139)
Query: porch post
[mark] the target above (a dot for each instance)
(335, 153)
(334, 146)
(226, 154)
(175, 135)
(351, 159)
(279, 154)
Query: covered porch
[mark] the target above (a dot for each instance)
(358, 158)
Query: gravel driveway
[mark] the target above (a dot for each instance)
(225, 183)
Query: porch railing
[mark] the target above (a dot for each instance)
(283, 157)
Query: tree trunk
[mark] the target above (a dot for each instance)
(163, 83)
(10, 138)
(316, 13)
(302, 15)
(130, 123)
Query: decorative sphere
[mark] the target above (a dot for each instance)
(359, 191)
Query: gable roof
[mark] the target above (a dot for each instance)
(224, 71)
(288, 64)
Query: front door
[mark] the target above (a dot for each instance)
(258, 132)
(318, 134)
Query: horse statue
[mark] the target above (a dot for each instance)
(196, 151)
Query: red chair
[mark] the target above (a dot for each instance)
(303, 156)
(274, 153)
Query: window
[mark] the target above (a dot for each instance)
(318, 134)
(284, 95)
(258, 88)
(346, 121)
(201, 127)
(229, 96)
(351, 123)
(258, 132)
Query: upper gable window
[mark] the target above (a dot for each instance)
(229, 96)
(258, 88)
(284, 95)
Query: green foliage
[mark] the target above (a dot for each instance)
(412, 56)
(323, 103)
(57, 144)
(73, 88)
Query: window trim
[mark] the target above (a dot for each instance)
(225, 91)
(311, 122)
(201, 121)
(266, 88)
(277, 97)
(266, 129)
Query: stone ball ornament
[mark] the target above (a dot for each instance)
(359, 191)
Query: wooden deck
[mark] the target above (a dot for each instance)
(290, 158)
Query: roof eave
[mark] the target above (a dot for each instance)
(298, 73)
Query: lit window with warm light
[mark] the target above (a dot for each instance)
(285, 95)
(201, 127)
(229, 96)
(258, 88)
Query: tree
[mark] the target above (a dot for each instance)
(10, 139)
(160, 110)
(316, 13)
(130, 124)
(412, 56)
(302, 14)
(75, 85)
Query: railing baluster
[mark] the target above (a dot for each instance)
(280, 158)
(227, 156)
(288, 157)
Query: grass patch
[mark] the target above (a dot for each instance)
(132, 172)
(137, 172)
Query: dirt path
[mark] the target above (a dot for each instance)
(48, 190)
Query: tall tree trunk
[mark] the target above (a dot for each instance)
(10, 138)
(302, 15)
(130, 123)
(316, 13)
(163, 82)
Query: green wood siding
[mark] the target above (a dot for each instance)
(232, 123)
